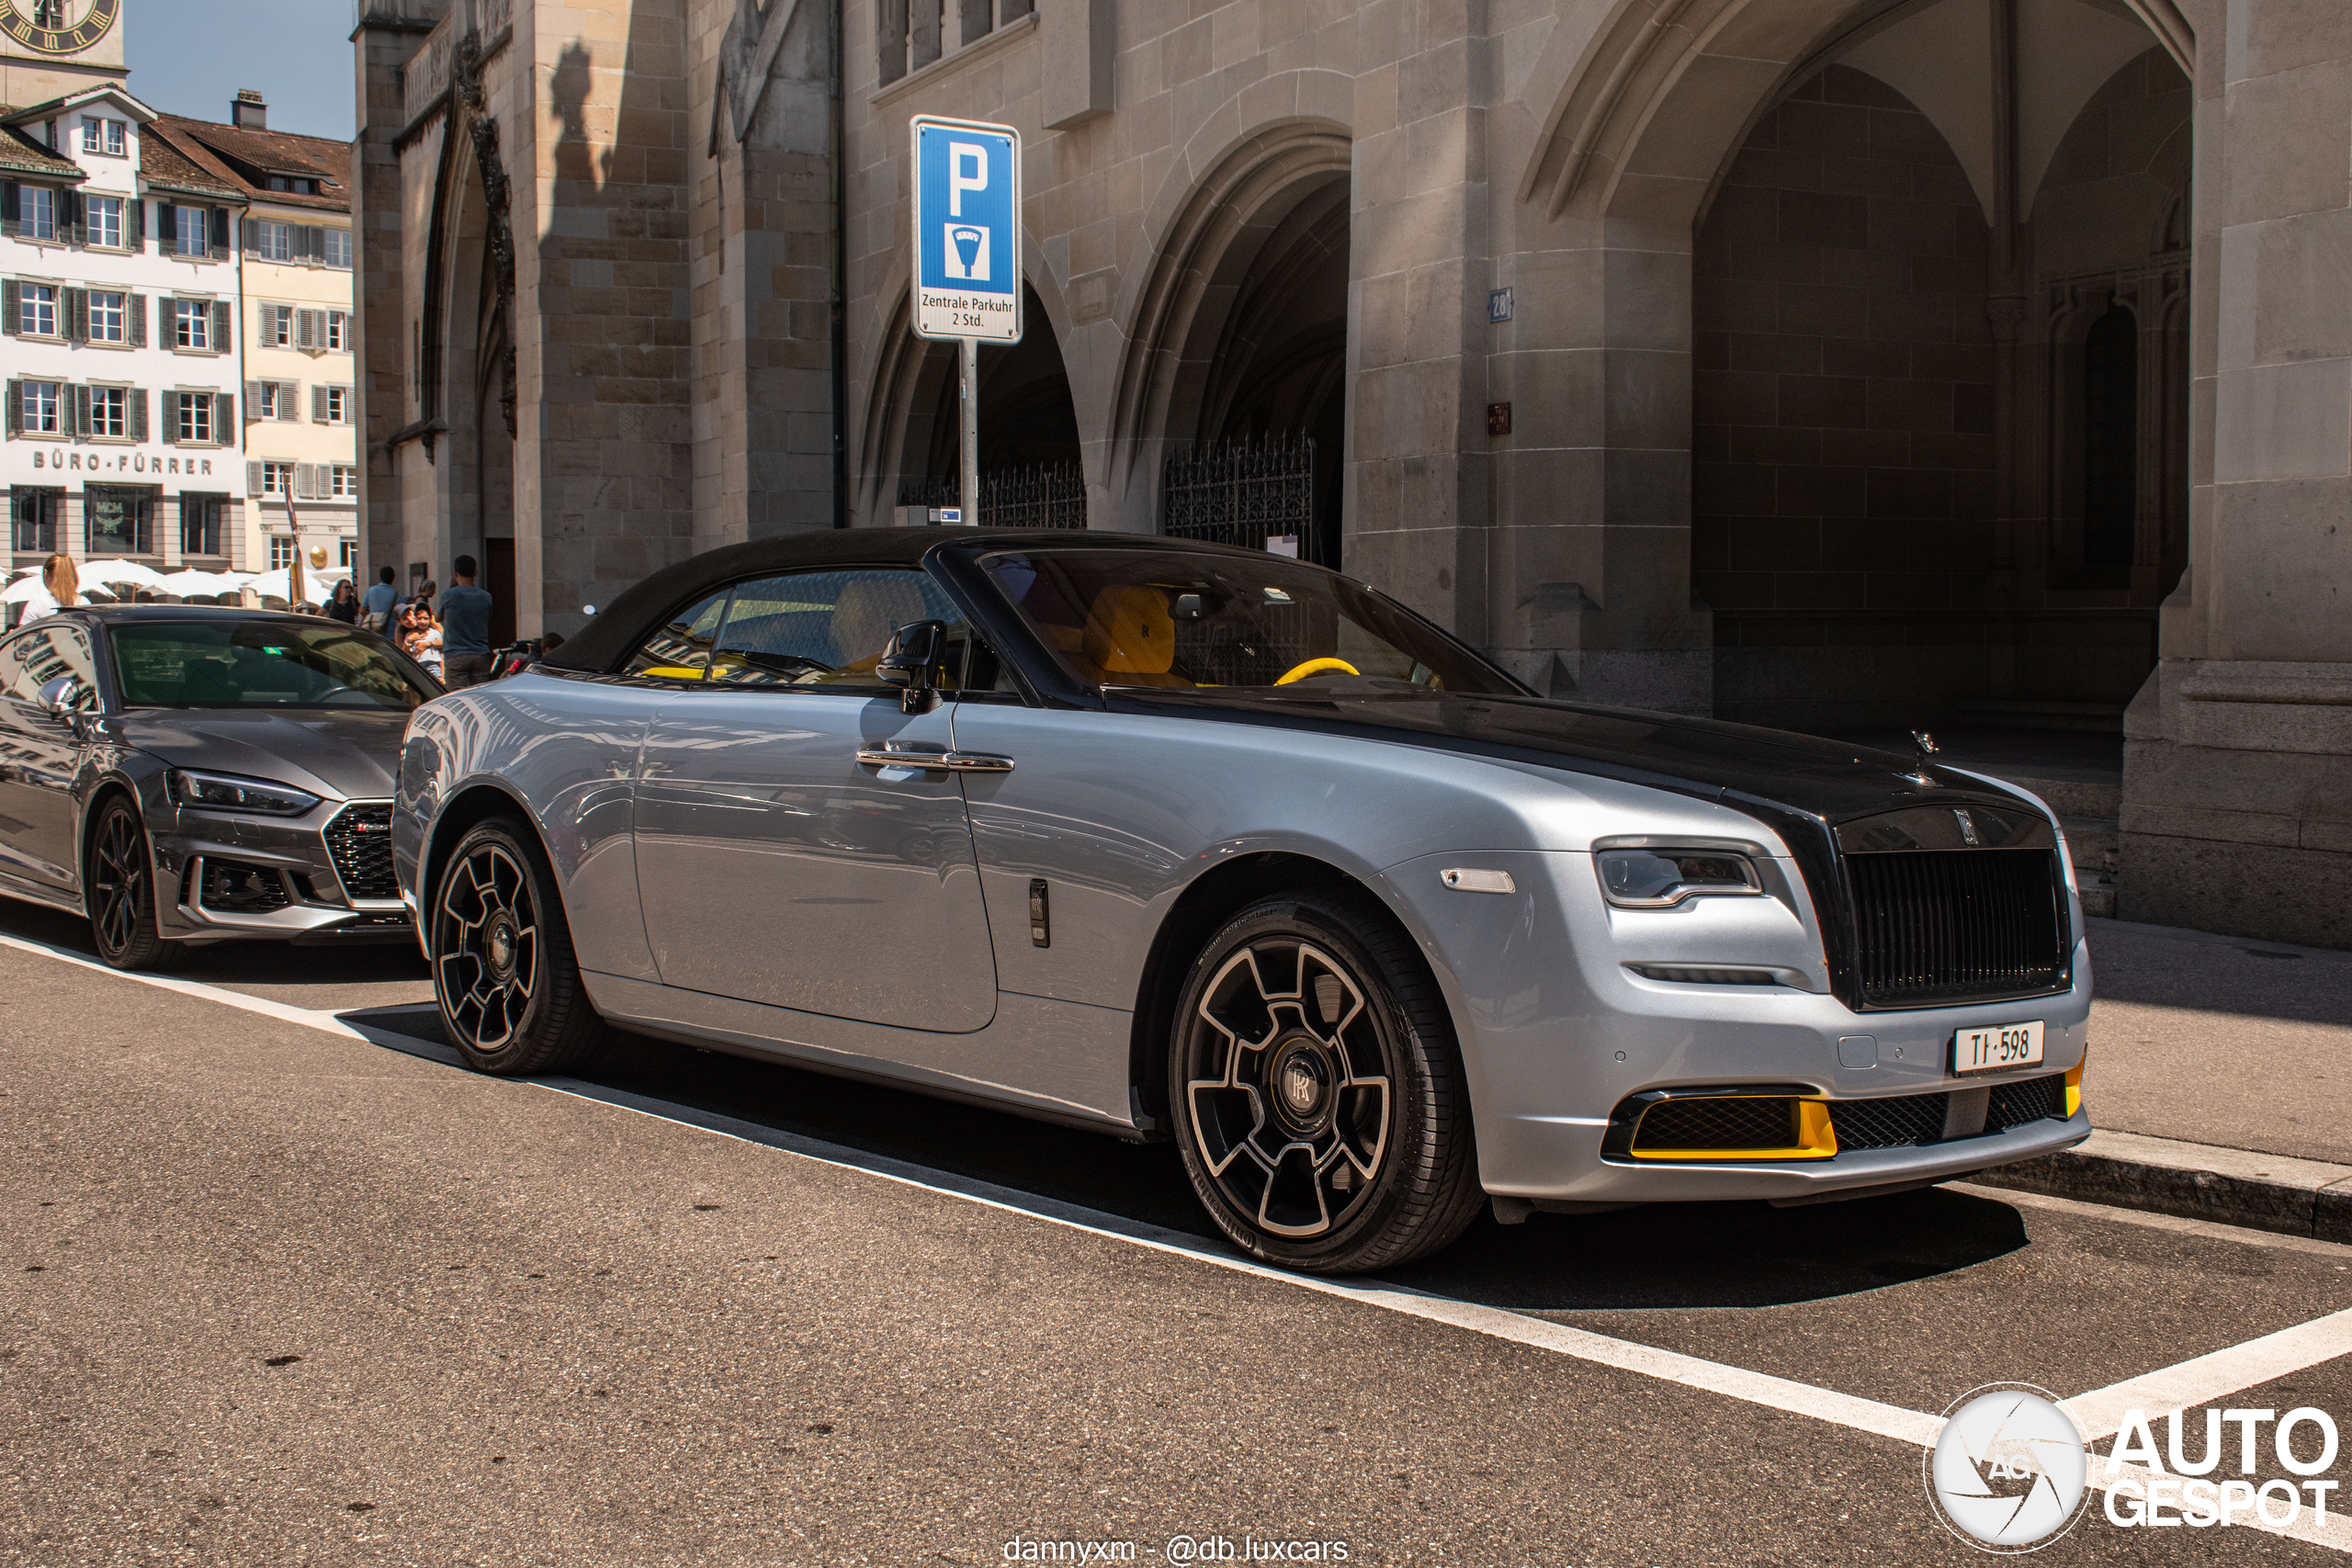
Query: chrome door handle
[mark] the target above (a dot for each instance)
(934, 762)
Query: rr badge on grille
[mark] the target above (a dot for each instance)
(1967, 827)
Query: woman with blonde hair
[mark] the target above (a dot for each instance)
(61, 584)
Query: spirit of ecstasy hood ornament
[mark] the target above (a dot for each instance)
(1928, 747)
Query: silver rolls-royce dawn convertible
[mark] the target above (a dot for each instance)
(1179, 841)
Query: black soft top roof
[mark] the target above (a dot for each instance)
(620, 625)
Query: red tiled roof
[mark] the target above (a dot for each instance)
(21, 154)
(247, 158)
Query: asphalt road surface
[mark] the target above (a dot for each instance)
(277, 1287)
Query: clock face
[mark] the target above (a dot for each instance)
(57, 27)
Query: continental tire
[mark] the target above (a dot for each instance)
(1318, 1091)
(512, 1000)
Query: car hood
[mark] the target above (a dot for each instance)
(1769, 773)
(353, 753)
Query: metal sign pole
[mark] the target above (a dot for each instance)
(968, 449)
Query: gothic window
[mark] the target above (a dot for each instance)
(2111, 438)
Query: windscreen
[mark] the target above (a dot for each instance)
(237, 664)
(1185, 622)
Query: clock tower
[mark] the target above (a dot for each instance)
(51, 47)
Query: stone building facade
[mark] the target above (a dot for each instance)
(1843, 364)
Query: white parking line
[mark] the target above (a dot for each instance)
(2199, 1381)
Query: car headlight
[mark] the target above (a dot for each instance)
(1660, 876)
(224, 791)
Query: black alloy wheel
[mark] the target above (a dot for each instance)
(1317, 1093)
(119, 890)
(511, 995)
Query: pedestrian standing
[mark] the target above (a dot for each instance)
(345, 605)
(465, 628)
(381, 597)
(61, 584)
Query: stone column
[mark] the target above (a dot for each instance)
(2237, 795)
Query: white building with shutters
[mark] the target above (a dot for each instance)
(300, 475)
(119, 303)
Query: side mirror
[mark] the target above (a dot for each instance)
(58, 696)
(911, 664)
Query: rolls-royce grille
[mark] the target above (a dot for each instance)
(1938, 927)
(1757, 1122)
(360, 840)
(2014, 1104)
(1894, 1123)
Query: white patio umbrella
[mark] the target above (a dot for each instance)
(191, 581)
(122, 573)
(24, 588)
(278, 584)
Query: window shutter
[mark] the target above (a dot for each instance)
(290, 402)
(306, 329)
(224, 327)
(137, 401)
(81, 420)
(136, 305)
(8, 210)
(318, 405)
(253, 479)
(134, 221)
(224, 418)
(250, 235)
(219, 234)
(10, 309)
(71, 224)
(15, 408)
(76, 311)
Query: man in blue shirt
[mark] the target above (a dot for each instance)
(465, 629)
(379, 601)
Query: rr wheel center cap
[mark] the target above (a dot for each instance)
(1301, 1077)
(498, 945)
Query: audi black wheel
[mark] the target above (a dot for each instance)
(119, 890)
(1318, 1091)
(511, 995)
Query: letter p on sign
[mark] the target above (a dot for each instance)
(967, 169)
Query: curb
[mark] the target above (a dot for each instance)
(2197, 1181)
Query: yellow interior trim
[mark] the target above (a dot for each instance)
(672, 672)
(1316, 667)
(2075, 1084)
(1816, 1138)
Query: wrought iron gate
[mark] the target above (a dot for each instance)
(1247, 494)
(1051, 496)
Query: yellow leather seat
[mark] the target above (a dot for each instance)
(1131, 637)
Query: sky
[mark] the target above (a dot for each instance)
(189, 57)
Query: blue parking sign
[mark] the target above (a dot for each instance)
(967, 230)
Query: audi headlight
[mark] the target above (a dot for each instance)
(1660, 876)
(224, 791)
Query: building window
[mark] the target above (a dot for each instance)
(120, 519)
(109, 411)
(335, 405)
(36, 212)
(102, 135)
(191, 230)
(37, 309)
(277, 479)
(338, 331)
(200, 518)
(191, 416)
(345, 484)
(39, 407)
(32, 519)
(274, 241)
(336, 251)
(277, 330)
(107, 318)
(347, 553)
(102, 220)
(192, 323)
(281, 552)
(267, 400)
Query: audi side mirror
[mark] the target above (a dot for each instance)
(911, 664)
(58, 696)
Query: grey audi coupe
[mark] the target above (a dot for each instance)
(184, 774)
(1178, 841)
